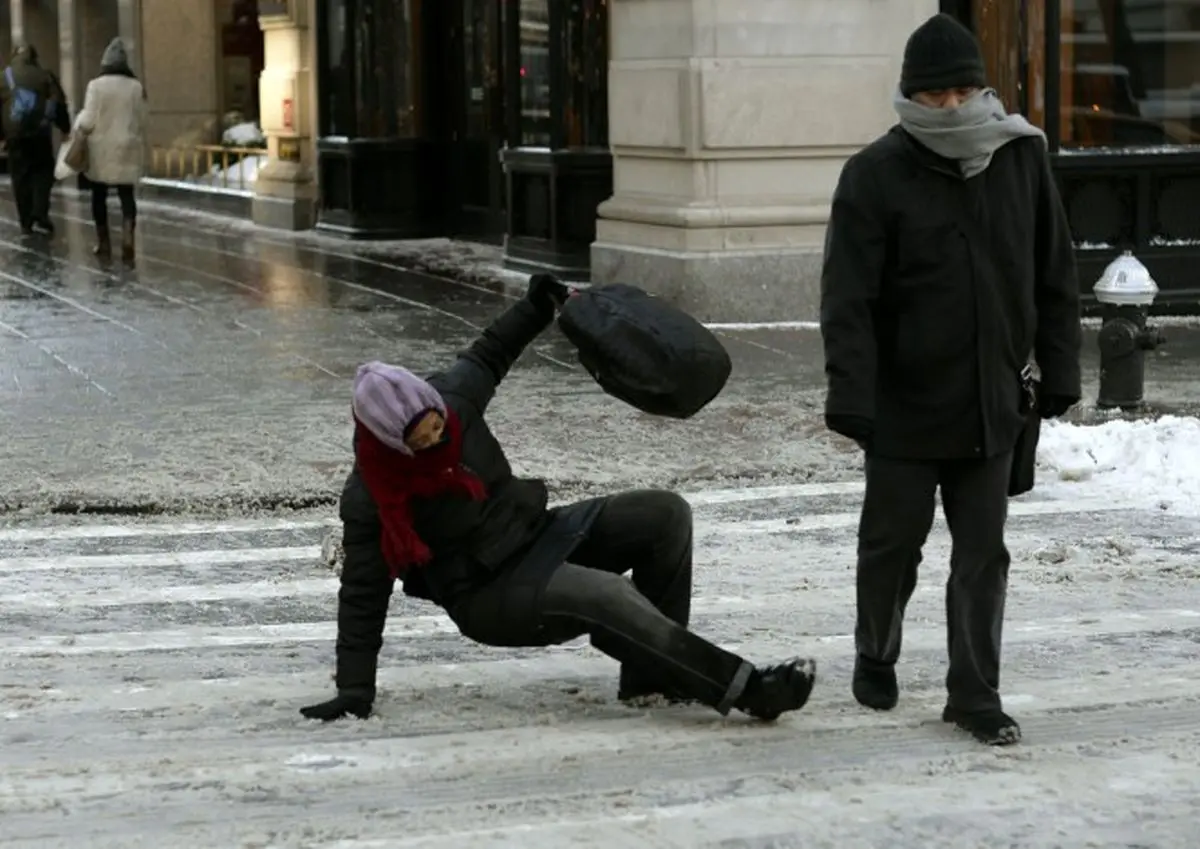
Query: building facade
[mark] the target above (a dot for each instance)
(691, 145)
(484, 119)
(1122, 116)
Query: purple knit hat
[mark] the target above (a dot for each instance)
(388, 399)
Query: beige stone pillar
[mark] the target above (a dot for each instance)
(129, 28)
(16, 25)
(729, 123)
(70, 53)
(285, 194)
(99, 23)
(37, 24)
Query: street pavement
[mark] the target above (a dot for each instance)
(151, 666)
(215, 375)
(151, 672)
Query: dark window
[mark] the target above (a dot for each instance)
(585, 52)
(1130, 69)
(369, 62)
(1131, 73)
(337, 69)
(535, 73)
(563, 73)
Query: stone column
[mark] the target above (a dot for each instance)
(729, 123)
(16, 25)
(129, 28)
(37, 24)
(285, 194)
(70, 52)
(99, 23)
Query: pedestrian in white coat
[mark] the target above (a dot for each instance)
(113, 119)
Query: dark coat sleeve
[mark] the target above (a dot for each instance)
(1059, 335)
(365, 592)
(62, 110)
(851, 277)
(479, 369)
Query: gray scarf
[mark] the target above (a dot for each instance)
(970, 134)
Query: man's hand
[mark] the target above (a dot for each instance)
(1053, 406)
(346, 703)
(856, 428)
(547, 292)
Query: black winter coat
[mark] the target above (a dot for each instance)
(936, 290)
(471, 541)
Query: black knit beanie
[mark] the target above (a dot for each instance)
(940, 54)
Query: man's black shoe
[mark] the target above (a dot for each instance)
(990, 727)
(875, 684)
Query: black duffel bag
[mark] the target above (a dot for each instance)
(644, 351)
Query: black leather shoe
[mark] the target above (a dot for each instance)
(990, 727)
(775, 690)
(875, 684)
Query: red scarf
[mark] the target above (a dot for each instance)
(393, 479)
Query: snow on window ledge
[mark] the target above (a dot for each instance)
(1160, 242)
(1153, 150)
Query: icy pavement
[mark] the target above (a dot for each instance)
(150, 676)
(214, 377)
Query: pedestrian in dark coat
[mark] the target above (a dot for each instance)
(948, 264)
(30, 143)
(433, 501)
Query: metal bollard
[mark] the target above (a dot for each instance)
(1126, 291)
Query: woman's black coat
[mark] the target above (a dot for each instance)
(478, 547)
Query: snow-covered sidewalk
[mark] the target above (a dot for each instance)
(1153, 463)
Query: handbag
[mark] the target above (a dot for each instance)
(1024, 462)
(645, 351)
(77, 152)
(72, 157)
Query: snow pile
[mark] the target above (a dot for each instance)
(246, 134)
(1143, 463)
(244, 171)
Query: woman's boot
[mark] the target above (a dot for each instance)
(128, 246)
(103, 247)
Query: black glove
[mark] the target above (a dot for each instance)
(345, 703)
(1053, 406)
(546, 292)
(856, 428)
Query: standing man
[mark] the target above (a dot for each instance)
(31, 102)
(948, 263)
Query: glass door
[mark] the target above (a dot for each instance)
(479, 129)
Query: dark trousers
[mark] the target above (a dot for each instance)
(31, 166)
(642, 621)
(896, 517)
(100, 204)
